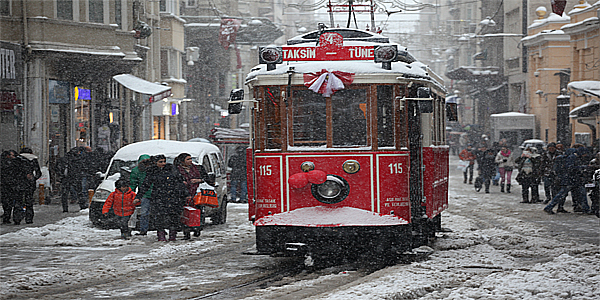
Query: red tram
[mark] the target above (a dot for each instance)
(348, 152)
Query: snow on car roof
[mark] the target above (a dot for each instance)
(322, 216)
(165, 147)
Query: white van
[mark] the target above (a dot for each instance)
(123, 162)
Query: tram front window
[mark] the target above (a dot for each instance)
(309, 118)
(349, 109)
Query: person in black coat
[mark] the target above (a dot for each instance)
(530, 174)
(237, 163)
(9, 169)
(169, 195)
(486, 162)
(71, 173)
(30, 170)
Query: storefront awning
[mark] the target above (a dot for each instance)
(155, 91)
(589, 87)
(585, 110)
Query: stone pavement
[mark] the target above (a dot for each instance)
(43, 215)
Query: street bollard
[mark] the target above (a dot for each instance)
(90, 196)
(41, 194)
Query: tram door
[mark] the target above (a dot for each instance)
(416, 106)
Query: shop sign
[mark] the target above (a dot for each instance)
(11, 64)
(8, 100)
(59, 92)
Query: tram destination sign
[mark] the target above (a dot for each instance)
(330, 47)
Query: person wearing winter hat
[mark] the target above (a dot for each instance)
(123, 203)
(529, 165)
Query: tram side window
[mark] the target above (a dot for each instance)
(349, 108)
(385, 116)
(309, 118)
(272, 118)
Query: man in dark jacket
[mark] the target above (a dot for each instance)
(30, 168)
(9, 169)
(71, 170)
(551, 187)
(237, 163)
(486, 161)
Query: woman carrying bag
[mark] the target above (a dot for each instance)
(506, 164)
(192, 175)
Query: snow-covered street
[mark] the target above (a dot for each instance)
(499, 249)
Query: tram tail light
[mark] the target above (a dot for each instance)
(270, 56)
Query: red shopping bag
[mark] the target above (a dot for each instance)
(206, 198)
(191, 216)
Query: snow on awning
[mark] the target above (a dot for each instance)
(590, 87)
(585, 110)
(155, 91)
(452, 99)
(495, 88)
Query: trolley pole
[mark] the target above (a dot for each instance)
(373, 17)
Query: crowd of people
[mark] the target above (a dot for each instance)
(76, 172)
(575, 170)
(162, 192)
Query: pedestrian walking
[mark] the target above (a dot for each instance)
(31, 169)
(192, 175)
(551, 187)
(168, 197)
(564, 166)
(506, 163)
(486, 162)
(71, 170)
(529, 166)
(137, 176)
(123, 203)
(237, 163)
(9, 170)
(468, 155)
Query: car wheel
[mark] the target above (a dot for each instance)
(221, 216)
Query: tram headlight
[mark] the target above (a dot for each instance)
(270, 55)
(335, 189)
(386, 53)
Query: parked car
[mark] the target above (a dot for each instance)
(539, 144)
(125, 159)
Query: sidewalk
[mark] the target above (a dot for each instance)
(43, 215)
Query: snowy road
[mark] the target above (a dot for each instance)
(499, 249)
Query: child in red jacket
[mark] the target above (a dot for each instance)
(123, 203)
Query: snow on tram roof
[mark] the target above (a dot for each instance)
(417, 69)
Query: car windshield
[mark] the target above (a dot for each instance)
(126, 166)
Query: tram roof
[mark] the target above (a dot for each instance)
(363, 70)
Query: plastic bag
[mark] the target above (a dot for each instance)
(206, 195)
(462, 165)
(134, 218)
